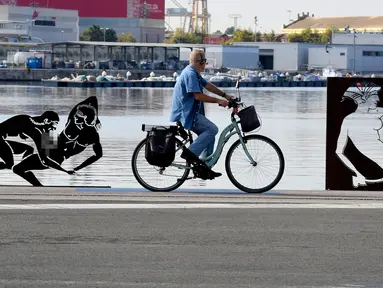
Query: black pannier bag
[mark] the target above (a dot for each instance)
(160, 147)
(249, 119)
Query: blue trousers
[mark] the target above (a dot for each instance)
(206, 131)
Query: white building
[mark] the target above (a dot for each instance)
(41, 24)
(241, 57)
(145, 19)
(302, 56)
(352, 58)
(359, 38)
(279, 56)
(340, 58)
(13, 30)
(218, 56)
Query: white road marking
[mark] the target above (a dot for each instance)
(84, 206)
(53, 283)
(121, 284)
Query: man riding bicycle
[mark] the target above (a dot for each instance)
(187, 107)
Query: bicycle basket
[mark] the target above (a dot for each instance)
(248, 119)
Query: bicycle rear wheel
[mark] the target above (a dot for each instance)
(166, 179)
(248, 177)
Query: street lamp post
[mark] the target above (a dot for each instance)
(30, 25)
(354, 36)
(328, 53)
(347, 29)
(255, 28)
(104, 32)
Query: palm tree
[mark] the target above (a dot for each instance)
(96, 33)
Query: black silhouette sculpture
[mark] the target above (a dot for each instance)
(80, 132)
(353, 162)
(25, 126)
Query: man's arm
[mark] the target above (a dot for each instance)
(193, 87)
(213, 89)
(97, 148)
(208, 99)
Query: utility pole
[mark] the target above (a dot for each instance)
(289, 11)
(255, 28)
(235, 17)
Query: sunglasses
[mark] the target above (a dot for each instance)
(203, 61)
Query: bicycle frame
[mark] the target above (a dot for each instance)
(224, 137)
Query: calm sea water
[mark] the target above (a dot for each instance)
(293, 117)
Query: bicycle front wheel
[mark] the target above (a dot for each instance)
(158, 179)
(259, 178)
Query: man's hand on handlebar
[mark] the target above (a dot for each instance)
(229, 97)
(223, 103)
(235, 103)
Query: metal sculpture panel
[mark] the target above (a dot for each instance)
(40, 150)
(354, 158)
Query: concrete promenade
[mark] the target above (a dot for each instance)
(88, 237)
(27, 193)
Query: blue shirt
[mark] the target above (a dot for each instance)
(184, 105)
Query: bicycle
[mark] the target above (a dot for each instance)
(184, 137)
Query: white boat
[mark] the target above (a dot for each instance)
(329, 71)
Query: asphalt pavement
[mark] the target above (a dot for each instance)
(66, 237)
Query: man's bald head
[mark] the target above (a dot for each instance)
(196, 56)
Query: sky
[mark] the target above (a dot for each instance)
(273, 14)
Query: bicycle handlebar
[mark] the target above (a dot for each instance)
(235, 103)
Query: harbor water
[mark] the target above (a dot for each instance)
(295, 118)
